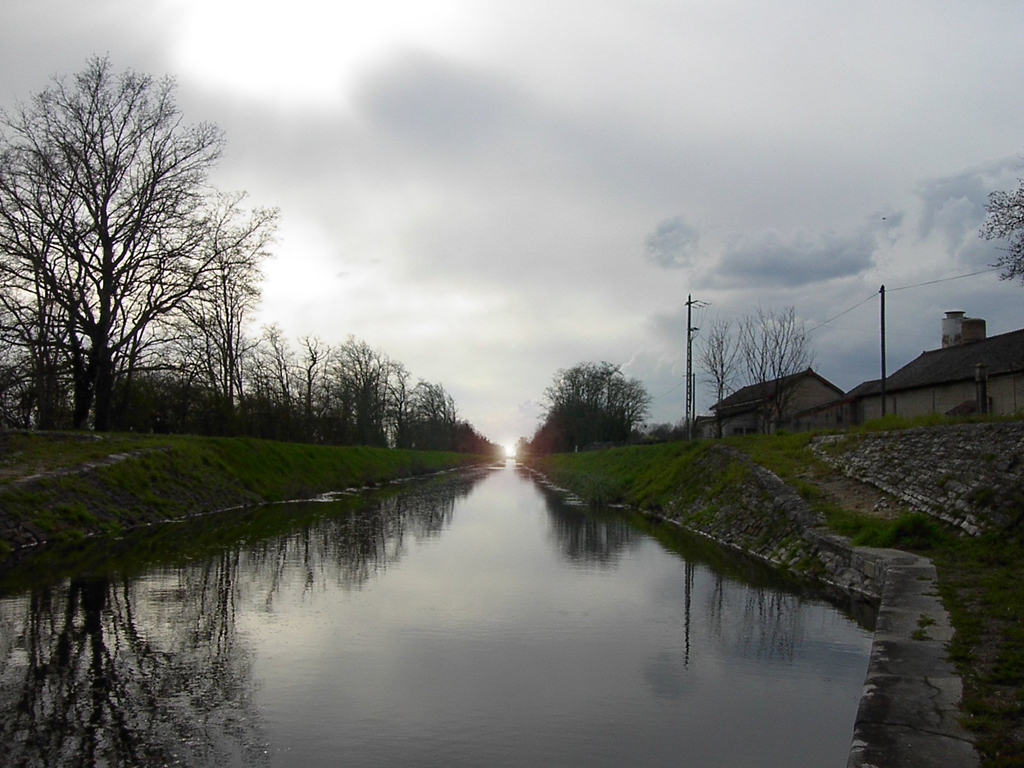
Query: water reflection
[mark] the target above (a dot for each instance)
(112, 670)
(354, 631)
(723, 608)
(351, 550)
(106, 672)
(759, 618)
(587, 538)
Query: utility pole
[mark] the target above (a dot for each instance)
(881, 293)
(691, 395)
(689, 366)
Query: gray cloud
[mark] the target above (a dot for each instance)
(673, 243)
(435, 103)
(769, 258)
(459, 120)
(888, 222)
(953, 207)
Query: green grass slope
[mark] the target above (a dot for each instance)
(979, 577)
(64, 486)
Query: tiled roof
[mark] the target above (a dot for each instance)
(1000, 354)
(872, 387)
(748, 396)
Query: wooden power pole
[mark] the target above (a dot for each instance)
(691, 394)
(881, 305)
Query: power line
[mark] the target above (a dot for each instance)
(903, 288)
(944, 279)
(845, 311)
(872, 330)
(666, 394)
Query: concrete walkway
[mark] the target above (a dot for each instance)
(908, 715)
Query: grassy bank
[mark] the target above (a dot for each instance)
(655, 477)
(979, 577)
(64, 486)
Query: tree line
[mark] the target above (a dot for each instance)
(589, 405)
(128, 286)
(595, 405)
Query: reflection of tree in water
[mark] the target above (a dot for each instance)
(737, 600)
(151, 670)
(111, 672)
(745, 604)
(757, 621)
(586, 537)
(349, 550)
(764, 623)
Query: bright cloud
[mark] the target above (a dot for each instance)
(304, 51)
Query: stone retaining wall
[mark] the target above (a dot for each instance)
(909, 710)
(763, 516)
(969, 475)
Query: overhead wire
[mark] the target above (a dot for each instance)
(943, 280)
(845, 311)
(664, 394)
(903, 288)
(704, 306)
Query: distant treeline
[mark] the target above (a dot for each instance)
(591, 405)
(128, 284)
(349, 394)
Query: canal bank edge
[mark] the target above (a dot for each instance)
(49, 492)
(909, 709)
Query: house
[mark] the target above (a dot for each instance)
(763, 407)
(970, 373)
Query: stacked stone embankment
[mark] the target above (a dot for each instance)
(755, 512)
(909, 710)
(968, 475)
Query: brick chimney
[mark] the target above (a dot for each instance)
(958, 329)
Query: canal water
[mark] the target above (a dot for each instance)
(477, 619)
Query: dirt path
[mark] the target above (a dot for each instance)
(856, 496)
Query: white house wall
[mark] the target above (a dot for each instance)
(1005, 396)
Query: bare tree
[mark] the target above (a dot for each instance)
(18, 394)
(363, 374)
(399, 405)
(315, 366)
(102, 202)
(774, 346)
(34, 329)
(271, 386)
(217, 315)
(719, 356)
(626, 405)
(1005, 220)
(434, 417)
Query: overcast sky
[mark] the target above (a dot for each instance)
(490, 190)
